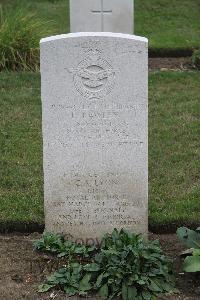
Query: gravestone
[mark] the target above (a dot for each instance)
(101, 16)
(95, 140)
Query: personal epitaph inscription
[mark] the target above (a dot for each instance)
(94, 99)
(101, 16)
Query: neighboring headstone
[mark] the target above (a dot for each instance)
(101, 16)
(95, 134)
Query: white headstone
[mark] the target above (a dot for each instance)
(95, 134)
(101, 16)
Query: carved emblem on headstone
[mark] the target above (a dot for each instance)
(94, 76)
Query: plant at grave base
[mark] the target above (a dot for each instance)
(126, 265)
(72, 278)
(196, 58)
(191, 239)
(132, 267)
(20, 32)
(55, 243)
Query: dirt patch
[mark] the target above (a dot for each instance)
(170, 52)
(11, 227)
(170, 63)
(22, 269)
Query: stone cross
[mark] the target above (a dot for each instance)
(102, 11)
(101, 16)
(95, 134)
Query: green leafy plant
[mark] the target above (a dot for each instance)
(20, 32)
(71, 278)
(55, 243)
(196, 58)
(191, 239)
(126, 265)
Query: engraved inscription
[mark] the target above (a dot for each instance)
(94, 76)
(95, 134)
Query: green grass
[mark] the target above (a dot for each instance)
(20, 148)
(174, 160)
(173, 148)
(168, 24)
(19, 35)
(56, 12)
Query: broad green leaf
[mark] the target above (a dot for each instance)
(124, 291)
(62, 270)
(196, 252)
(81, 293)
(166, 286)
(76, 268)
(110, 252)
(70, 291)
(93, 267)
(99, 280)
(154, 287)
(99, 257)
(132, 292)
(132, 278)
(44, 288)
(62, 254)
(79, 249)
(192, 264)
(141, 282)
(58, 275)
(84, 284)
(146, 295)
(63, 280)
(103, 291)
(115, 235)
(190, 238)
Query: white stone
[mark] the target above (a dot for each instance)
(95, 134)
(101, 16)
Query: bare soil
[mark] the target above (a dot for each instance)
(22, 269)
(170, 63)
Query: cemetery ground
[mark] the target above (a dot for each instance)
(173, 180)
(22, 270)
(173, 167)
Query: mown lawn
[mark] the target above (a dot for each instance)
(168, 24)
(174, 148)
(174, 167)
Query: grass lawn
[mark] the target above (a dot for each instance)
(173, 148)
(167, 24)
(174, 153)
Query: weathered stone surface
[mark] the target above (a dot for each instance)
(94, 98)
(101, 16)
